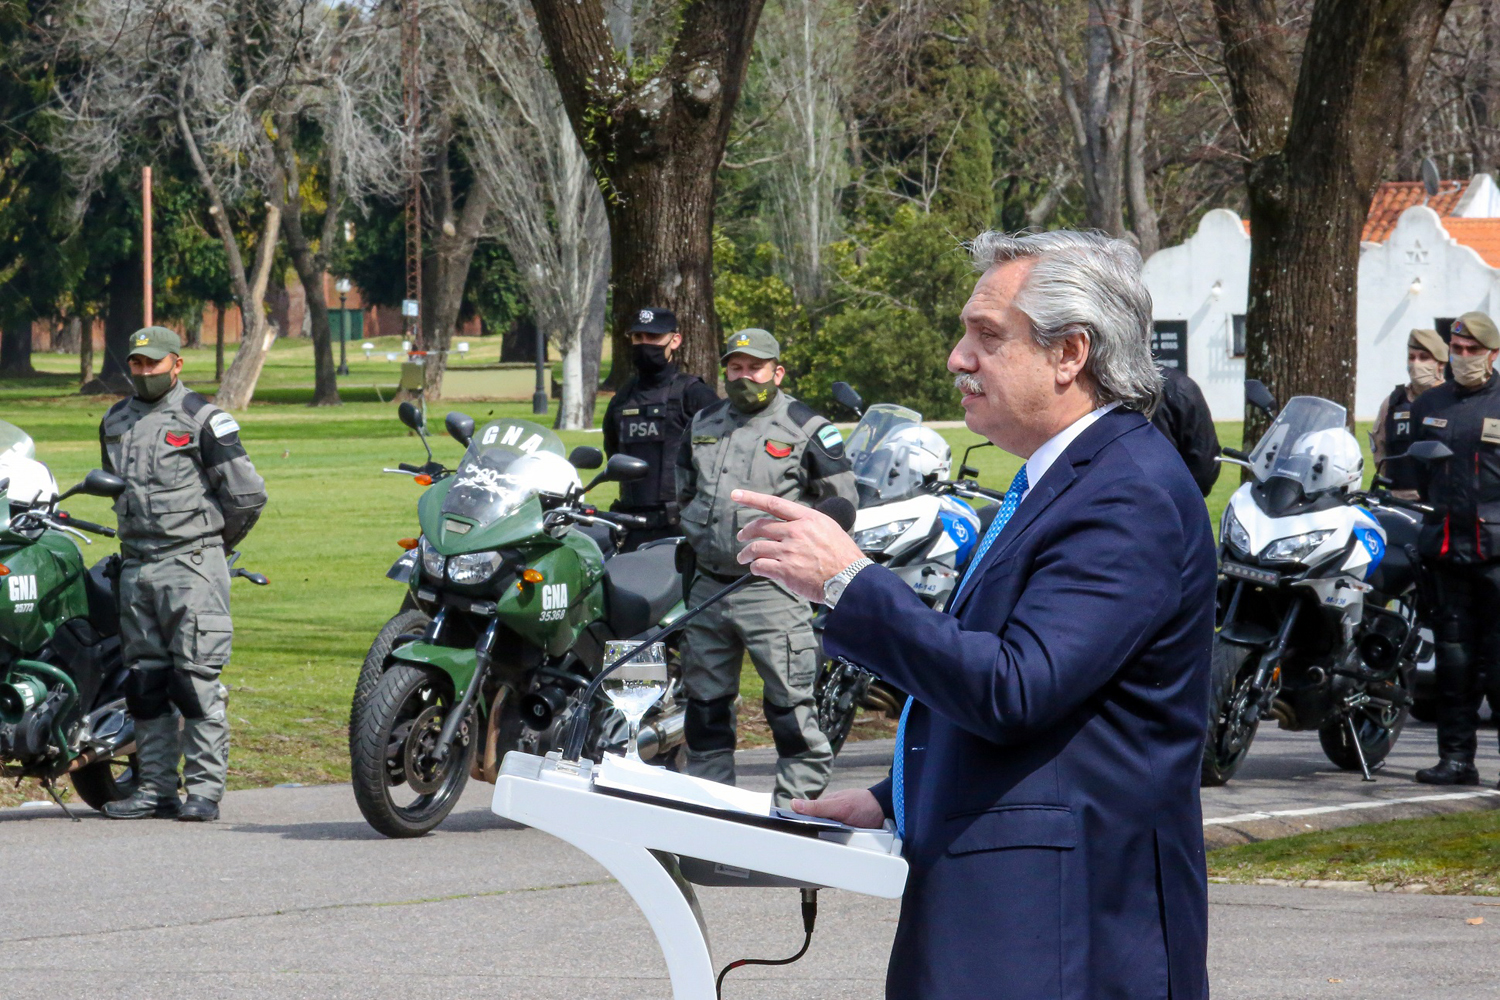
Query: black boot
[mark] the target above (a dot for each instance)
(198, 809)
(145, 803)
(1449, 771)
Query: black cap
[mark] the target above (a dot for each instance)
(654, 321)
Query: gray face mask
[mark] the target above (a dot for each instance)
(152, 387)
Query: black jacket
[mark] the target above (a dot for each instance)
(1464, 489)
(648, 419)
(1184, 418)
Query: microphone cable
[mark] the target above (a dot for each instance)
(809, 918)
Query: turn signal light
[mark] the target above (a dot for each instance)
(423, 480)
(4, 571)
(407, 543)
(532, 576)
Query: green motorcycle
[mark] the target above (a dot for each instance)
(514, 589)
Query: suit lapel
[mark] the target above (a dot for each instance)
(1059, 477)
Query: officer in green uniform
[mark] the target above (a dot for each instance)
(192, 495)
(648, 419)
(758, 439)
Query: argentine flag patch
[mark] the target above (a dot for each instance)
(830, 437)
(223, 425)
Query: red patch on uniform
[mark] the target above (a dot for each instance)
(778, 450)
(178, 440)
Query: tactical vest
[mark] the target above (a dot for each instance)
(1401, 472)
(649, 425)
(1464, 489)
(734, 450)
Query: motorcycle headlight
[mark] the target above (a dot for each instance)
(1295, 548)
(879, 538)
(473, 567)
(1234, 532)
(432, 560)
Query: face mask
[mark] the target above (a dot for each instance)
(1424, 374)
(1470, 371)
(650, 359)
(750, 396)
(152, 387)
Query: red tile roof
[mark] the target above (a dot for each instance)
(1393, 198)
(1481, 234)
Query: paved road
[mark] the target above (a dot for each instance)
(293, 896)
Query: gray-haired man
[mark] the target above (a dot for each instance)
(192, 493)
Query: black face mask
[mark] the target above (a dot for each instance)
(650, 359)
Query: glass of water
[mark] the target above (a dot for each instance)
(636, 684)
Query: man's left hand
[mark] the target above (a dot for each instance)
(796, 546)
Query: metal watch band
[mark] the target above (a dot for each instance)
(833, 588)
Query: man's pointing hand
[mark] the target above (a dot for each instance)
(796, 546)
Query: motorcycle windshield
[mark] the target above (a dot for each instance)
(1277, 453)
(15, 442)
(881, 472)
(491, 485)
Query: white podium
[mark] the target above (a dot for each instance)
(658, 833)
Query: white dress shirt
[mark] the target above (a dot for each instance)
(1041, 460)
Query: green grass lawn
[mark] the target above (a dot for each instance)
(1453, 854)
(327, 537)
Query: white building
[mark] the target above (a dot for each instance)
(1420, 266)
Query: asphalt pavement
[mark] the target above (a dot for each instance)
(291, 895)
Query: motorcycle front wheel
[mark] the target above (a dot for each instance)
(839, 690)
(406, 624)
(401, 789)
(1229, 735)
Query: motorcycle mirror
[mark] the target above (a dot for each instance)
(1429, 451)
(620, 469)
(585, 457)
(97, 483)
(460, 426)
(1382, 482)
(1258, 396)
(845, 396)
(967, 471)
(410, 416)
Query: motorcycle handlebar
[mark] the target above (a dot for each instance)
(68, 520)
(259, 579)
(625, 520)
(1386, 500)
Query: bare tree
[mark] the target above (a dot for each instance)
(654, 127)
(547, 207)
(253, 91)
(1316, 143)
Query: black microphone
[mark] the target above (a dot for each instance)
(835, 507)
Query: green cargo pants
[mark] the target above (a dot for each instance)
(176, 633)
(776, 629)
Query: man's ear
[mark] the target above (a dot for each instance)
(779, 374)
(1071, 354)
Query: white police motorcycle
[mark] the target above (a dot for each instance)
(910, 520)
(1317, 600)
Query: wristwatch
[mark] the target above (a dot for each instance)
(833, 588)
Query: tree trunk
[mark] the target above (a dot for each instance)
(68, 336)
(446, 271)
(593, 346)
(15, 349)
(656, 146)
(1313, 161)
(86, 353)
(325, 377)
(219, 308)
(125, 306)
(194, 329)
(256, 336)
(1143, 219)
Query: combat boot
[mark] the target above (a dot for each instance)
(1449, 771)
(198, 809)
(145, 803)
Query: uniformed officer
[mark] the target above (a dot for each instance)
(1426, 354)
(1460, 541)
(648, 419)
(759, 439)
(192, 495)
(1184, 417)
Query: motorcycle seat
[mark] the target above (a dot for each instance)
(639, 588)
(99, 585)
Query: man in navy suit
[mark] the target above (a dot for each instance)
(1046, 775)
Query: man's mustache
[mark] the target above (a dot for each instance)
(968, 384)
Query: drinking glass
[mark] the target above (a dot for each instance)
(635, 685)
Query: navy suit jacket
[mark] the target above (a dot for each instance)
(1053, 825)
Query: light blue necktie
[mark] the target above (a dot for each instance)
(1008, 507)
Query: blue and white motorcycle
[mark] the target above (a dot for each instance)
(1317, 596)
(912, 521)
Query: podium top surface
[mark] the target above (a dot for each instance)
(634, 803)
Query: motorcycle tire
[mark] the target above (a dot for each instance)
(1375, 739)
(1225, 750)
(106, 781)
(406, 622)
(1425, 710)
(408, 702)
(838, 692)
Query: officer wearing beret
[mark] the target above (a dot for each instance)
(758, 439)
(191, 495)
(1460, 541)
(1426, 354)
(648, 419)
